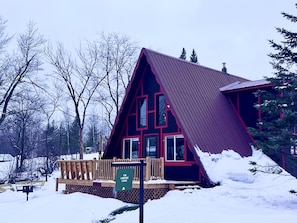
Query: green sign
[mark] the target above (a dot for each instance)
(124, 179)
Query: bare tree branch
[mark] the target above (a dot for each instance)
(19, 65)
(118, 58)
(81, 77)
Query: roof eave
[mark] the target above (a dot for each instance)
(257, 87)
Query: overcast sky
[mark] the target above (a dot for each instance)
(231, 31)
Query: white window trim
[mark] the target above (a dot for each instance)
(174, 156)
(130, 149)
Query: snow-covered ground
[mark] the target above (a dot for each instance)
(241, 197)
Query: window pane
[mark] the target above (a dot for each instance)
(180, 148)
(170, 148)
(151, 146)
(130, 148)
(142, 112)
(161, 110)
(134, 149)
(126, 148)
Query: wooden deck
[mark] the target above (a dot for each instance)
(85, 172)
(98, 177)
(90, 172)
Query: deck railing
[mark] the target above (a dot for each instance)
(102, 170)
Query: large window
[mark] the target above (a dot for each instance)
(130, 148)
(141, 112)
(174, 148)
(161, 110)
(151, 146)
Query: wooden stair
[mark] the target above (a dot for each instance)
(183, 185)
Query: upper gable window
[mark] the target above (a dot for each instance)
(142, 105)
(160, 110)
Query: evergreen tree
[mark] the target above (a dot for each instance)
(54, 139)
(183, 54)
(74, 137)
(276, 132)
(92, 136)
(194, 57)
(63, 140)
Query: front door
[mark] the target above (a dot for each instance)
(151, 146)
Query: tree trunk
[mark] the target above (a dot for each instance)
(81, 144)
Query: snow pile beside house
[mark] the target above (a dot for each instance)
(243, 195)
(229, 167)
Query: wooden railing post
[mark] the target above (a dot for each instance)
(68, 169)
(73, 170)
(94, 169)
(162, 168)
(62, 169)
(114, 170)
(148, 168)
(80, 175)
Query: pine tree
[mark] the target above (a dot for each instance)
(194, 57)
(63, 139)
(276, 132)
(92, 136)
(74, 137)
(183, 54)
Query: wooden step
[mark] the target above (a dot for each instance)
(184, 187)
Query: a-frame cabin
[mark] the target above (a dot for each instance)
(173, 106)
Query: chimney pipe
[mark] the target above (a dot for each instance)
(224, 69)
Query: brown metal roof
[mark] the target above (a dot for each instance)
(202, 111)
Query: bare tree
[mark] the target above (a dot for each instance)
(80, 76)
(48, 110)
(23, 128)
(4, 38)
(17, 68)
(118, 56)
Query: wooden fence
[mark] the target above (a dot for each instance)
(101, 169)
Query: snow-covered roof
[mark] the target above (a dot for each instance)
(6, 157)
(241, 85)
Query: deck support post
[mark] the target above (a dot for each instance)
(141, 164)
(57, 184)
(141, 191)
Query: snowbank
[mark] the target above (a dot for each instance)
(242, 197)
(230, 166)
(5, 157)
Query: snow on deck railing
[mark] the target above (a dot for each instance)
(102, 170)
